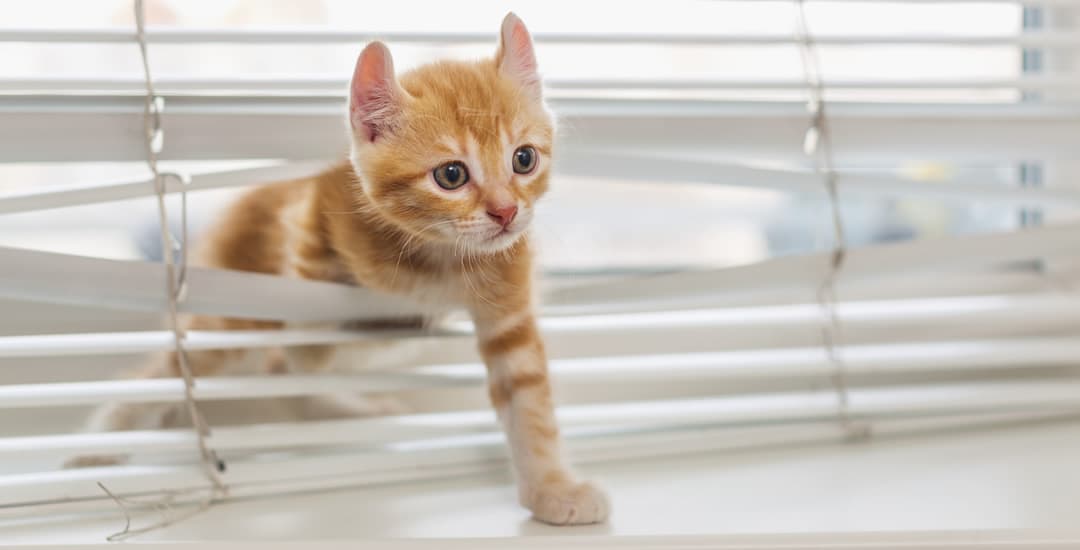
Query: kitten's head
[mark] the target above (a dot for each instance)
(453, 152)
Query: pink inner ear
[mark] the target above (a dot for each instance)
(521, 49)
(518, 59)
(372, 94)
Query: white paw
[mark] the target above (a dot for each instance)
(568, 503)
(90, 461)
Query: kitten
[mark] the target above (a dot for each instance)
(446, 164)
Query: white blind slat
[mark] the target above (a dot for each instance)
(71, 129)
(136, 286)
(59, 196)
(333, 85)
(806, 271)
(133, 285)
(590, 164)
(779, 365)
(325, 35)
(402, 429)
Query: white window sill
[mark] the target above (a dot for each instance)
(1015, 487)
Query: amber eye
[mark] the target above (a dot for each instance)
(524, 159)
(451, 175)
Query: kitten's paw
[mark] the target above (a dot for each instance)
(568, 503)
(91, 461)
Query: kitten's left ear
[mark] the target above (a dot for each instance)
(515, 57)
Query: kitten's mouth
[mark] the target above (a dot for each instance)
(500, 239)
(514, 231)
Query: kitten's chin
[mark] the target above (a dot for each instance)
(497, 243)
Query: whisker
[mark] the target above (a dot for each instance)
(408, 241)
(471, 254)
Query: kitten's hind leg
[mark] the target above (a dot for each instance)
(309, 359)
(121, 417)
(150, 416)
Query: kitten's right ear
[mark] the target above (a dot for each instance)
(516, 57)
(375, 97)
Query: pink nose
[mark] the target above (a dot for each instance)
(502, 215)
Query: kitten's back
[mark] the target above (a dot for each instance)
(264, 228)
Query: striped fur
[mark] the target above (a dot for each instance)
(381, 221)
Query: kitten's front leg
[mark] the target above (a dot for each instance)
(521, 394)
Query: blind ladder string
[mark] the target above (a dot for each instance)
(173, 248)
(818, 145)
(176, 288)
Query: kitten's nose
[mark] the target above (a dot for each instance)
(502, 215)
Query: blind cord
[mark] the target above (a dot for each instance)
(818, 145)
(174, 253)
(172, 248)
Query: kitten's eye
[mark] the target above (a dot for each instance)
(524, 159)
(451, 175)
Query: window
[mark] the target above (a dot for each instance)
(693, 298)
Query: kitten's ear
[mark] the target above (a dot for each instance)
(515, 57)
(375, 97)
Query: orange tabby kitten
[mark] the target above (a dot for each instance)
(446, 164)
